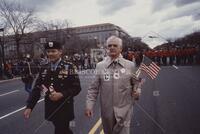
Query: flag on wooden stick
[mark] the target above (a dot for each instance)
(149, 67)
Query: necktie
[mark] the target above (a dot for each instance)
(53, 67)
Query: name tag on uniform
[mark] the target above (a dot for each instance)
(63, 71)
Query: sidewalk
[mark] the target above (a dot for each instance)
(7, 80)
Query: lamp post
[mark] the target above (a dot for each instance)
(56, 26)
(42, 42)
(98, 45)
(2, 51)
(158, 36)
(95, 40)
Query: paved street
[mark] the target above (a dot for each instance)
(168, 105)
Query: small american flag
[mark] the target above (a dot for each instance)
(149, 67)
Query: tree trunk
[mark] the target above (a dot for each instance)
(18, 52)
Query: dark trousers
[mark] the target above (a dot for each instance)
(28, 87)
(62, 127)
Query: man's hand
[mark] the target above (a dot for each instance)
(27, 113)
(88, 112)
(136, 94)
(55, 96)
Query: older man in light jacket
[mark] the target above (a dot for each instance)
(115, 83)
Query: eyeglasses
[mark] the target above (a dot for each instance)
(114, 45)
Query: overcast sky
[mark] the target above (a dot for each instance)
(163, 18)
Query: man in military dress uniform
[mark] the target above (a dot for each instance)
(60, 82)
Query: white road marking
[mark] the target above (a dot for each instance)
(9, 93)
(72, 123)
(156, 93)
(137, 124)
(175, 66)
(18, 78)
(2, 117)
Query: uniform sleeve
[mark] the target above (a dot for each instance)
(74, 86)
(35, 94)
(34, 68)
(93, 90)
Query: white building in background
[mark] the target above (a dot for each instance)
(99, 32)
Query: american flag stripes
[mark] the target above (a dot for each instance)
(149, 67)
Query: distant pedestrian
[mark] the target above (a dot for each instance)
(8, 70)
(28, 73)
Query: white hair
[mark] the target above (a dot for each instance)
(114, 40)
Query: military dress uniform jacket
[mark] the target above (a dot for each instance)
(114, 82)
(65, 80)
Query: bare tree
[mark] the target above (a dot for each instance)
(17, 18)
(52, 25)
(59, 28)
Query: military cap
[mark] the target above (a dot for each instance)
(53, 45)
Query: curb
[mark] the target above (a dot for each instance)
(17, 78)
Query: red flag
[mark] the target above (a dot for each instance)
(149, 67)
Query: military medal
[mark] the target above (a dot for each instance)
(44, 72)
(63, 71)
(60, 76)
